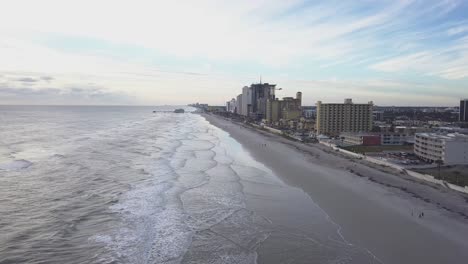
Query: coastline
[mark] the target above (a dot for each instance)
(376, 209)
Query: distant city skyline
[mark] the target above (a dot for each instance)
(142, 52)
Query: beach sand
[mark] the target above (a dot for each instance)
(374, 207)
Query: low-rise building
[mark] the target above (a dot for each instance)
(408, 123)
(450, 149)
(410, 130)
(306, 124)
(385, 128)
(216, 108)
(397, 138)
(451, 130)
(378, 115)
(377, 138)
(364, 139)
(309, 113)
(437, 123)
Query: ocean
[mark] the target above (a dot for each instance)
(126, 185)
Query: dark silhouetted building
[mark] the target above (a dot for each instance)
(464, 110)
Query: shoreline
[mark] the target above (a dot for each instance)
(368, 203)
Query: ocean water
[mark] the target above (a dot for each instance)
(125, 185)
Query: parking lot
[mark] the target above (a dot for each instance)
(399, 157)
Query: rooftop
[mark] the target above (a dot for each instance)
(446, 136)
(346, 101)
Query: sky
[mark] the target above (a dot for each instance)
(151, 52)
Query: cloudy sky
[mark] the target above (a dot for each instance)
(393, 52)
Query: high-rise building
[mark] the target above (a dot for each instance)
(239, 104)
(231, 106)
(254, 99)
(246, 102)
(299, 97)
(333, 119)
(261, 93)
(464, 110)
(287, 109)
(273, 113)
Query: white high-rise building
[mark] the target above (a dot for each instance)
(231, 106)
(239, 104)
(246, 100)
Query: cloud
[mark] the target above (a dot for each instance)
(47, 78)
(272, 32)
(159, 53)
(70, 95)
(447, 62)
(27, 80)
(457, 30)
(382, 92)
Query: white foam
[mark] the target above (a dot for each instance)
(16, 165)
(192, 188)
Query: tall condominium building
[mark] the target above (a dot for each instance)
(254, 99)
(231, 106)
(287, 109)
(333, 119)
(261, 93)
(239, 104)
(451, 148)
(464, 110)
(246, 103)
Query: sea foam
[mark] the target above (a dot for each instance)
(192, 208)
(16, 165)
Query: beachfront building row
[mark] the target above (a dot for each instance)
(450, 149)
(287, 109)
(258, 102)
(253, 100)
(333, 119)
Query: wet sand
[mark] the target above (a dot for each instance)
(374, 208)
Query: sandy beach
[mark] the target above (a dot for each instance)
(374, 208)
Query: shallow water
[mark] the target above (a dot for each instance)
(124, 185)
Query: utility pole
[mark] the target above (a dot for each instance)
(439, 164)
